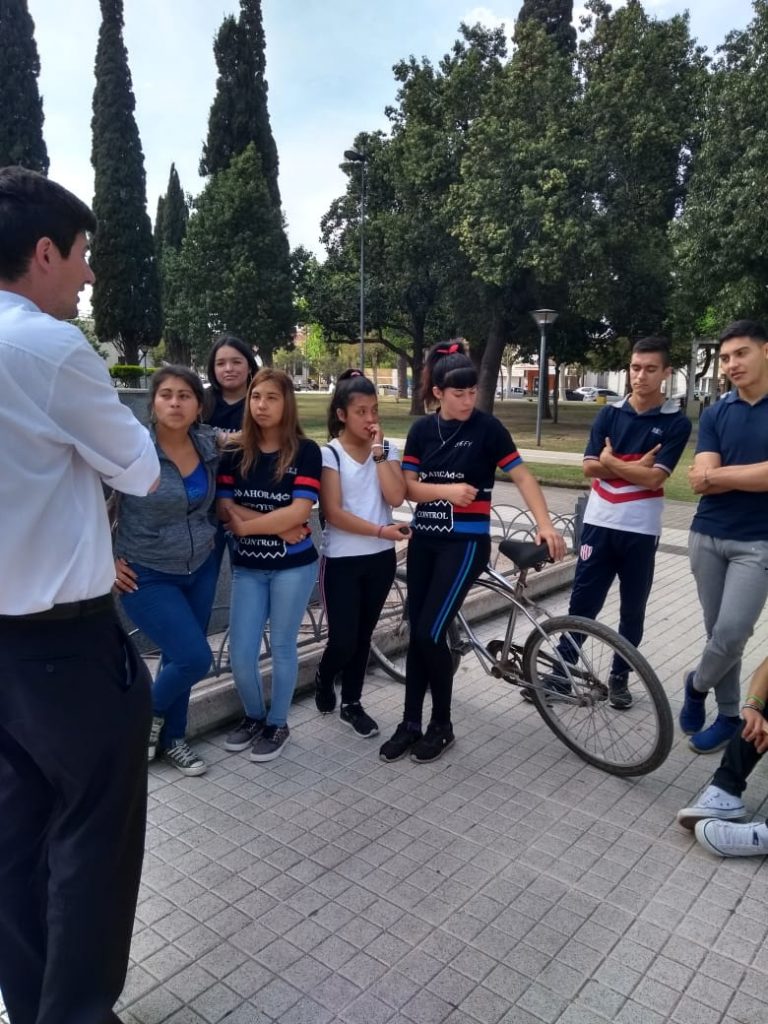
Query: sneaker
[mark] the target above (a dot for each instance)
(619, 696)
(554, 684)
(354, 715)
(181, 756)
(692, 713)
(716, 736)
(400, 744)
(272, 740)
(433, 744)
(713, 803)
(725, 839)
(325, 695)
(154, 736)
(244, 733)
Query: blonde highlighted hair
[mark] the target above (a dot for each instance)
(290, 431)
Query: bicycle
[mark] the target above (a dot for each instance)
(562, 666)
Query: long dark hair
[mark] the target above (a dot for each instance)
(232, 341)
(290, 428)
(447, 365)
(351, 382)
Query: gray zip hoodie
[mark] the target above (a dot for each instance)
(162, 531)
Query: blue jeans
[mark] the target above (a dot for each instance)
(173, 611)
(280, 596)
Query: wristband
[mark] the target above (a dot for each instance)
(752, 699)
(380, 458)
(377, 445)
(378, 532)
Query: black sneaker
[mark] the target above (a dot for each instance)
(435, 741)
(354, 715)
(244, 733)
(619, 696)
(400, 744)
(272, 740)
(325, 695)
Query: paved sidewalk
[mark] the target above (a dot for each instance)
(507, 882)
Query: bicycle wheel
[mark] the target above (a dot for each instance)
(632, 741)
(389, 646)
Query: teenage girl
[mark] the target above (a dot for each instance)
(449, 465)
(231, 368)
(266, 491)
(362, 481)
(165, 567)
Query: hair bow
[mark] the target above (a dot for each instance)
(449, 351)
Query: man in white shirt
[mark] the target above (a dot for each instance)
(74, 697)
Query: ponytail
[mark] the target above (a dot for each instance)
(447, 365)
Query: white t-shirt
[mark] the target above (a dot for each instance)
(361, 495)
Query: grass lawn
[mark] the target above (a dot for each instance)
(519, 416)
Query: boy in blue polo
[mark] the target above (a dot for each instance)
(634, 445)
(728, 544)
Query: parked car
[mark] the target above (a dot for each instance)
(590, 394)
(513, 392)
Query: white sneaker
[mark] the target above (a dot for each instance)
(713, 803)
(725, 839)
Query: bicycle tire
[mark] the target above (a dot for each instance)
(627, 742)
(391, 648)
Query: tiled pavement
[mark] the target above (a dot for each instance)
(507, 882)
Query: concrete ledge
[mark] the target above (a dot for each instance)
(215, 701)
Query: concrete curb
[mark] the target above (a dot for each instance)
(215, 701)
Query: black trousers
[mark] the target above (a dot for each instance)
(354, 590)
(440, 573)
(74, 720)
(604, 555)
(739, 758)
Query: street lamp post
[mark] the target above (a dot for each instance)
(355, 157)
(543, 317)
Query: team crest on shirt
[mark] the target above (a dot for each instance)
(585, 551)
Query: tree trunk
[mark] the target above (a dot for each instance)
(417, 405)
(128, 346)
(177, 350)
(491, 361)
(556, 392)
(402, 377)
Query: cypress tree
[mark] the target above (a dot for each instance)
(556, 17)
(170, 229)
(126, 296)
(21, 111)
(239, 113)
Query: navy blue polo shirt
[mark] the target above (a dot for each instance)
(738, 433)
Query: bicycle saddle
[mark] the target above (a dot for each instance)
(524, 554)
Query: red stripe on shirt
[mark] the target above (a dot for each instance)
(307, 481)
(618, 499)
(477, 507)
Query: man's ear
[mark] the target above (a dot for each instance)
(45, 249)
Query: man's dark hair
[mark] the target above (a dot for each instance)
(33, 207)
(751, 329)
(653, 344)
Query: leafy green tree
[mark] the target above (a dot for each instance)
(21, 112)
(126, 295)
(233, 269)
(720, 240)
(239, 113)
(170, 228)
(519, 210)
(644, 83)
(555, 17)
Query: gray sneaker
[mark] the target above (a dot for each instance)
(272, 740)
(182, 757)
(244, 733)
(154, 736)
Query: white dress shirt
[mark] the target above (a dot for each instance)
(63, 431)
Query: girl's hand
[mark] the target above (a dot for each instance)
(554, 541)
(377, 434)
(235, 523)
(460, 495)
(125, 577)
(753, 725)
(295, 534)
(395, 531)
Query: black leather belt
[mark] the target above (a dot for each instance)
(62, 612)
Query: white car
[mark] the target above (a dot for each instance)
(590, 394)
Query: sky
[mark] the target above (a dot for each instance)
(329, 69)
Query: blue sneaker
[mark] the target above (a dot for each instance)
(717, 736)
(692, 713)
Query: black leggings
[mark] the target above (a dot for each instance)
(739, 758)
(354, 590)
(439, 575)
